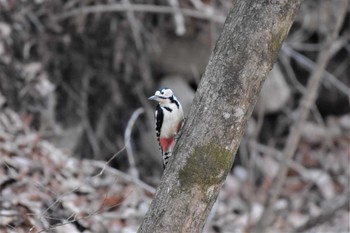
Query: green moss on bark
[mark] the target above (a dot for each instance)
(206, 166)
(277, 40)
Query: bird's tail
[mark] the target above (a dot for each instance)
(166, 157)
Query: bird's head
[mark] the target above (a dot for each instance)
(163, 96)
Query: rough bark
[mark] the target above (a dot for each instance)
(243, 56)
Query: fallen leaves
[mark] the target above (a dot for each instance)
(44, 189)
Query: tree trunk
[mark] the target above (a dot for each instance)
(243, 56)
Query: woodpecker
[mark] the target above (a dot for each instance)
(168, 120)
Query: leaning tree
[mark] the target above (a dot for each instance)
(243, 56)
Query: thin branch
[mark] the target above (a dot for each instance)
(306, 104)
(127, 136)
(140, 8)
(279, 156)
(134, 174)
(123, 175)
(135, 26)
(110, 160)
(285, 61)
(198, 4)
(310, 65)
(101, 124)
(178, 18)
(84, 114)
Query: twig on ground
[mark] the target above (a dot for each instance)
(52, 227)
(306, 103)
(330, 208)
(34, 20)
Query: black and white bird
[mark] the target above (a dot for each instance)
(168, 118)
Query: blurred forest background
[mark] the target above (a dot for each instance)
(74, 72)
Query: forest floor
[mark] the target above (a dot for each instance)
(78, 69)
(44, 189)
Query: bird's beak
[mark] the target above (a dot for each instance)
(153, 97)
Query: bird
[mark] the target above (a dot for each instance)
(168, 121)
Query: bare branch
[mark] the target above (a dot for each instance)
(310, 65)
(135, 26)
(127, 136)
(306, 104)
(123, 176)
(140, 8)
(178, 18)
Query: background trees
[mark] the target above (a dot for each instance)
(73, 73)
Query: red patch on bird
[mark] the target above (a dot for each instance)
(165, 143)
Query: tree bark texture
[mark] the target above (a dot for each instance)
(243, 56)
